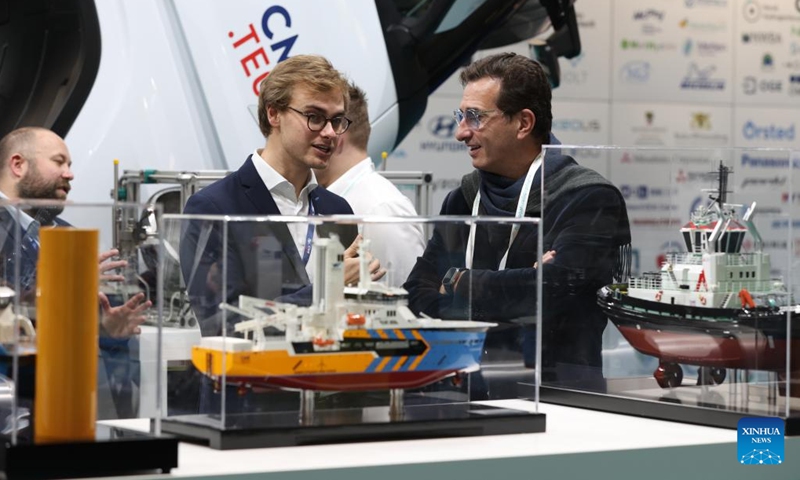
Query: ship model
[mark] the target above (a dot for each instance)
(714, 306)
(348, 339)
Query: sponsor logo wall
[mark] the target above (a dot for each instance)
(663, 73)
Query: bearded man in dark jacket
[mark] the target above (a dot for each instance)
(504, 119)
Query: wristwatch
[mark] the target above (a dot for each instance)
(450, 279)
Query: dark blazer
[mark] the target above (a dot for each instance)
(585, 226)
(10, 230)
(254, 248)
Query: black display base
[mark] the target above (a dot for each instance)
(115, 452)
(664, 408)
(364, 424)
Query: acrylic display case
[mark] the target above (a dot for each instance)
(699, 322)
(58, 368)
(326, 349)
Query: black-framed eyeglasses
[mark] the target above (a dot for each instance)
(316, 122)
(472, 115)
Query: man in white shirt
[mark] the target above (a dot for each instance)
(351, 174)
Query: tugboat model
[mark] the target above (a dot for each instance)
(714, 306)
(349, 339)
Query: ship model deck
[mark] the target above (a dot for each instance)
(349, 339)
(712, 306)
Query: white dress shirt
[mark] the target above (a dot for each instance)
(289, 204)
(397, 246)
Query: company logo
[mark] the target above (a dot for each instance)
(794, 85)
(795, 30)
(643, 192)
(760, 441)
(755, 11)
(700, 78)
(767, 162)
(649, 14)
(643, 158)
(702, 25)
(762, 38)
(252, 52)
(648, 118)
(794, 48)
(576, 125)
(703, 48)
(752, 131)
(752, 11)
(574, 77)
(706, 3)
(767, 62)
(637, 71)
(648, 17)
(763, 182)
(795, 197)
(649, 45)
(443, 126)
(691, 177)
(701, 121)
(751, 85)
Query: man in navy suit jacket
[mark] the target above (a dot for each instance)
(301, 110)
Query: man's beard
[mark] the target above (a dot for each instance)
(33, 187)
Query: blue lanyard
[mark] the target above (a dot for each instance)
(309, 234)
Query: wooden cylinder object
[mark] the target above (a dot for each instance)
(67, 309)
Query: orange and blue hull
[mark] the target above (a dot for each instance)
(367, 359)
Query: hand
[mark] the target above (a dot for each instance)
(548, 257)
(352, 263)
(113, 265)
(123, 321)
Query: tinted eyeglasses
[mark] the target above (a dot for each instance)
(316, 122)
(472, 115)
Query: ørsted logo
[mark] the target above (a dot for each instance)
(753, 131)
(760, 441)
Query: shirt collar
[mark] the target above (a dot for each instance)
(25, 220)
(343, 184)
(276, 183)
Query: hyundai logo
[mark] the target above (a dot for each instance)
(443, 126)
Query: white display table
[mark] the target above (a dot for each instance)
(578, 444)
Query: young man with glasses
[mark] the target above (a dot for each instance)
(488, 272)
(301, 112)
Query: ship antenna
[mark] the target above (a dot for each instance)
(722, 188)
